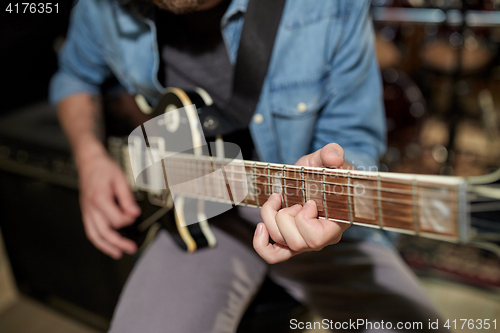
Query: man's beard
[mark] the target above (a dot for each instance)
(179, 6)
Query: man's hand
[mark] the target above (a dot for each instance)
(107, 205)
(297, 229)
(106, 201)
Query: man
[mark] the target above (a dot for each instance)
(322, 86)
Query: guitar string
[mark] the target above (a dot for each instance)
(265, 184)
(320, 182)
(266, 195)
(267, 168)
(310, 171)
(452, 234)
(299, 189)
(282, 178)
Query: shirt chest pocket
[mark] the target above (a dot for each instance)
(300, 97)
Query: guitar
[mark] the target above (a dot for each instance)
(446, 208)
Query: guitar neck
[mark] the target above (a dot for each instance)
(428, 206)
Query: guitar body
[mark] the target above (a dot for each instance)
(181, 124)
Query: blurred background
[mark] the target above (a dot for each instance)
(440, 64)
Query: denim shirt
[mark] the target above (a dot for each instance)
(323, 83)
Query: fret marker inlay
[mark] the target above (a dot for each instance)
(364, 204)
(435, 214)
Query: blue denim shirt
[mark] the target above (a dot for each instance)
(323, 83)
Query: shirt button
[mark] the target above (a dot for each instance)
(258, 118)
(302, 107)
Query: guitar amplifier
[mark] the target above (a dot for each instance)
(51, 258)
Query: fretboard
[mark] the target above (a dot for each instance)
(429, 206)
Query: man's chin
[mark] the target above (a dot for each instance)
(180, 6)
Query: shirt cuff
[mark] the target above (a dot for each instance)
(63, 85)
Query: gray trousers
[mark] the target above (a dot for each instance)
(209, 291)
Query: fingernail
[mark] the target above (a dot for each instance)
(258, 231)
(335, 152)
(310, 202)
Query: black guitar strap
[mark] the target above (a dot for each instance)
(262, 20)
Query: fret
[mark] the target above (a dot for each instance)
(222, 180)
(293, 186)
(414, 206)
(238, 175)
(194, 180)
(248, 192)
(213, 178)
(274, 180)
(240, 182)
(379, 203)
(225, 183)
(269, 180)
(202, 178)
(303, 186)
(231, 183)
(249, 175)
(198, 179)
(257, 190)
(207, 176)
(262, 183)
(324, 194)
(349, 194)
(285, 196)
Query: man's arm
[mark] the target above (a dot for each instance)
(80, 117)
(354, 119)
(105, 199)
